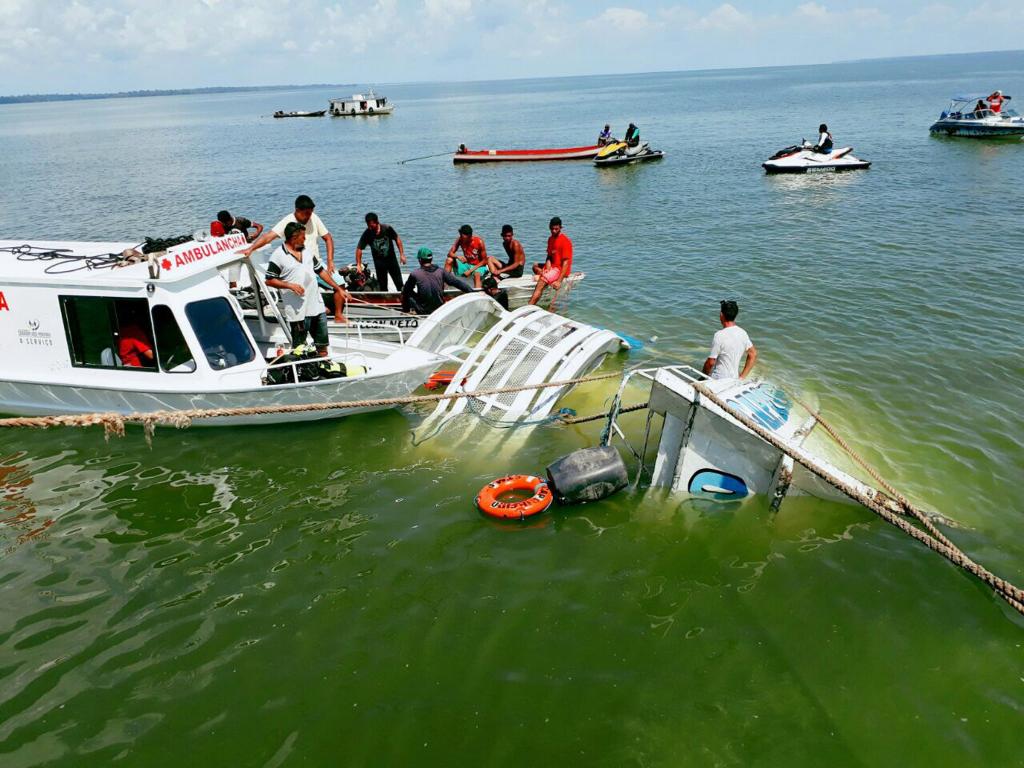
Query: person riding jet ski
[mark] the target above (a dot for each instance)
(632, 137)
(824, 145)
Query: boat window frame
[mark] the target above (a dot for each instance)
(156, 342)
(199, 332)
(64, 299)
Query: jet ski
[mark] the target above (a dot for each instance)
(624, 155)
(805, 159)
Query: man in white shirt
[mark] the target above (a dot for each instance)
(315, 230)
(293, 272)
(728, 347)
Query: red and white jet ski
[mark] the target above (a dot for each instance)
(804, 159)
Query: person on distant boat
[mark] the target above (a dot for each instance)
(632, 137)
(558, 264)
(293, 271)
(980, 107)
(729, 346)
(239, 224)
(824, 145)
(462, 149)
(381, 238)
(491, 288)
(473, 259)
(605, 136)
(315, 229)
(995, 101)
(424, 290)
(516, 256)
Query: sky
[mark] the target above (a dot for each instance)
(61, 46)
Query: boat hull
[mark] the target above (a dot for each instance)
(617, 160)
(978, 130)
(525, 155)
(773, 168)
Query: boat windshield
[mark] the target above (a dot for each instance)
(220, 334)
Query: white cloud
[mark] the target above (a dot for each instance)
(725, 18)
(623, 20)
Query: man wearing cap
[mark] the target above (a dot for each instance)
(728, 347)
(995, 101)
(558, 264)
(424, 290)
(473, 259)
(315, 229)
(293, 272)
(382, 239)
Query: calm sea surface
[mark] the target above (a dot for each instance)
(327, 595)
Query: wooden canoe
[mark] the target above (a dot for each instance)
(525, 155)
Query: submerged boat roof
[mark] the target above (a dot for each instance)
(96, 263)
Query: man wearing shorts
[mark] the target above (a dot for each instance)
(472, 262)
(558, 264)
(516, 256)
(294, 274)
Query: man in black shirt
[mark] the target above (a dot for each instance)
(381, 238)
(424, 290)
(242, 224)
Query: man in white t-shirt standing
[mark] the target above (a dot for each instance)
(315, 230)
(728, 347)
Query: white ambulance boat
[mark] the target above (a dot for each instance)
(69, 311)
(369, 103)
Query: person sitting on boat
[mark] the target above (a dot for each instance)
(134, 345)
(605, 136)
(424, 289)
(461, 150)
(558, 264)
(516, 256)
(980, 107)
(381, 238)
(315, 229)
(632, 137)
(294, 274)
(824, 145)
(239, 224)
(492, 289)
(729, 346)
(473, 259)
(995, 101)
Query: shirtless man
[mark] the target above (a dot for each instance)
(516, 256)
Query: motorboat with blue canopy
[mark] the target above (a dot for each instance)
(973, 116)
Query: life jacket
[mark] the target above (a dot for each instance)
(995, 102)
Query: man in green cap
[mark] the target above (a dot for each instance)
(423, 292)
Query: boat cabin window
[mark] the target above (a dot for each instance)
(105, 332)
(220, 334)
(171, 348)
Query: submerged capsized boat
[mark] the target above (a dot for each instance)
(804, 159)
(962, 118)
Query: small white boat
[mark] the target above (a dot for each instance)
(70, 311)
(361, 104)
(804, 159)
(962, 119)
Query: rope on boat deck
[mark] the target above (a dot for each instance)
(114, 423)
(931, 538)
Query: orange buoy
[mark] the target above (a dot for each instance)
(489, 503)
(441, 378)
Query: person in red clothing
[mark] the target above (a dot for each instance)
(558, 264)
(134, 346)
(995, 101)
(472, 260)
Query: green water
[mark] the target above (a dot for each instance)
(326, 594)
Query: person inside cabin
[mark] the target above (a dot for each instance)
(491, 288)
(315, 230)
(381, 239)
(632, 137)
(239, 224)
(293, 271)
(134, 343)
(728, 347)
(558, 265)
(424, 290)
(824, 145)
(515, 253)
(995, 102)
(605, 136)
(472, 261)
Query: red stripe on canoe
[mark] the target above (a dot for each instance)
(489, 155)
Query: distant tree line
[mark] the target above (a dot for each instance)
(30, 97)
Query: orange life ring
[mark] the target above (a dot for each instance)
(489, 503)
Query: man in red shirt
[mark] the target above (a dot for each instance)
(472, 260)
(134, 347)
(558, 264)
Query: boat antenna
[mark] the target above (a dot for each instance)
(424, 157)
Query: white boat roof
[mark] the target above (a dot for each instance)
(61, 261)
